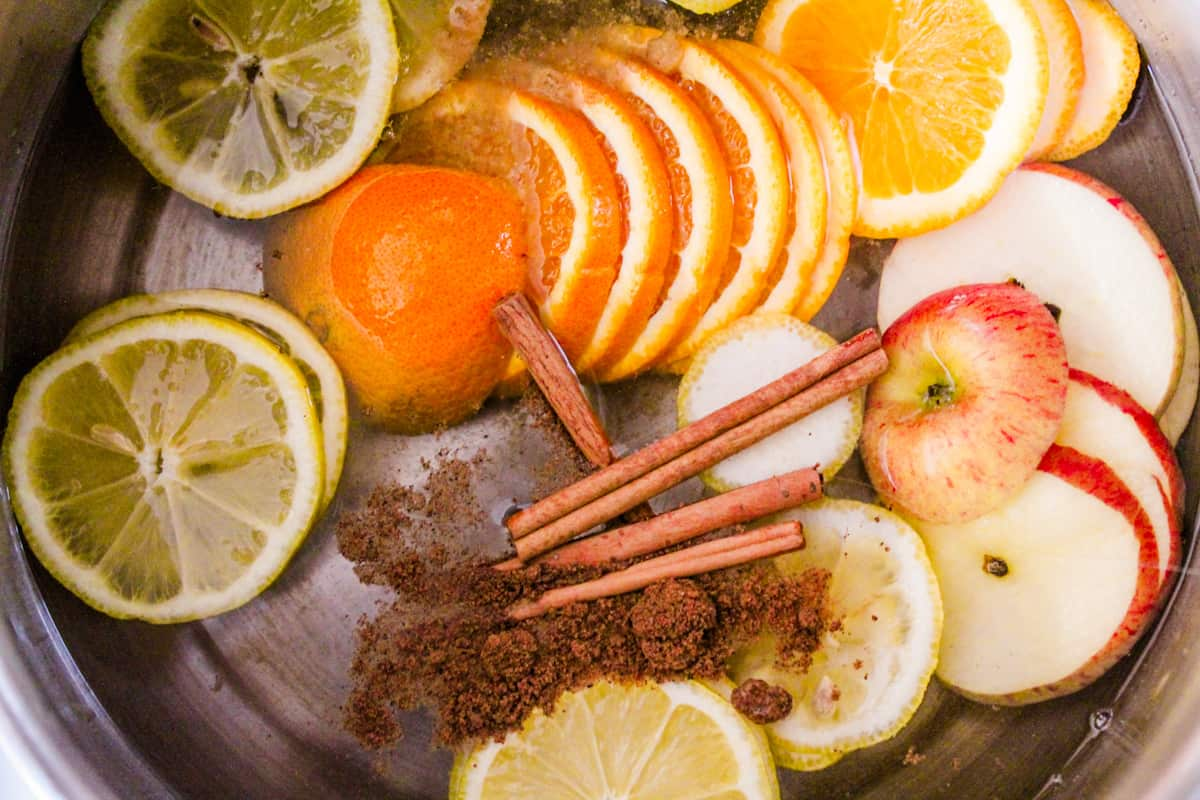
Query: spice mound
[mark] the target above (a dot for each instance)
(670, 621)
(447, 645)
(759, 701)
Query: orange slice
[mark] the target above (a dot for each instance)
(757, 171)
(1111, 64)
(699, 185)
(943, 97)
(551, 155)
(1064, 46)
(644, 188)
(807, 201)
(841, 182)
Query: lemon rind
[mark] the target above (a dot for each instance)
(104, 51)
(304, 439)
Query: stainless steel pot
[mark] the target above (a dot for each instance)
(247, 705)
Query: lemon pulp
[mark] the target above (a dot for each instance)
(633, 742)
(247, 107)
(166, 468)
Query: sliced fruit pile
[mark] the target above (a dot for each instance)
(166, 464)
(671, 186)
(643, 741)
(1049, 497)
(877, 657)
(945, 99)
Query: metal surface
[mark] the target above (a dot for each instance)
(248, 705)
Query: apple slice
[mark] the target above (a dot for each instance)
(973, 396)
(1076, 244)
(1106, 423)
(1046, 593)
(1174, 420)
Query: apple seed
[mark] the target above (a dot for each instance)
(997, 567)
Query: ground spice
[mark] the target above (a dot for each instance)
(761, 702)
(671, 620)
(445, 643)
(564, 464)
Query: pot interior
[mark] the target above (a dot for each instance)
(248, 704)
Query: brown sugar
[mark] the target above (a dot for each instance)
(445, 643)
(761, 702)
(671, 620)
(564, 463)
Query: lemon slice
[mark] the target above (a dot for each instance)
(797, 761)
(870, 674)
(631, 742)
(289, 334)
(249, 108)
(436, 38)
(166, 468)
(749, 354)
(706, 6)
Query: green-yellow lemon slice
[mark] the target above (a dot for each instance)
(747, 355)
(436, 38)
(289, 334)
(875, 662)
(249, 107)
(167, 467)
(635, 742)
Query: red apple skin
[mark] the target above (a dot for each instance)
(1000, 352)
(1093, 476)
(1173, 493)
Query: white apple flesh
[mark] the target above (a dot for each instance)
(1106, 423)
(1076, 244)
(973, 395)
(1043, 595)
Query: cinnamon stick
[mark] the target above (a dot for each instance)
(600, 483)
(783, 538)
(732, 542)
(554, 375)
(846, 380)
(687, 522)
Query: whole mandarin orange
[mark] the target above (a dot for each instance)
(397, 271)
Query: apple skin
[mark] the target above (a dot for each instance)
(1175, 417)
(1078, 244)
(972, 399)
(1173, 493)
(1093, 476)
